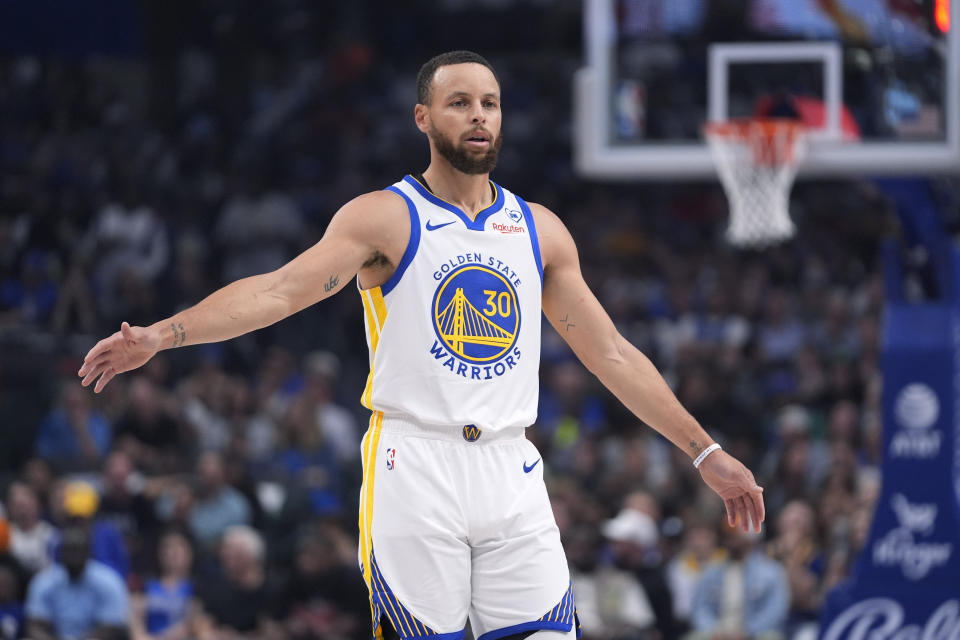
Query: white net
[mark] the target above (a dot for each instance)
(757, 161)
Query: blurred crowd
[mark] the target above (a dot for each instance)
(213, 494)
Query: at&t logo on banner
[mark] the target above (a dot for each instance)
(916, 410)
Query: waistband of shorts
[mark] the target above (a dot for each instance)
(466, 434)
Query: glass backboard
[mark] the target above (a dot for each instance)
(876, 81)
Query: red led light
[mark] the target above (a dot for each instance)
(941, 13)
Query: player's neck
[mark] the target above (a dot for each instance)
(471, 193)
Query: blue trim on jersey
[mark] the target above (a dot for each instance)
(481, 219)
(412, 244)
(534, 240)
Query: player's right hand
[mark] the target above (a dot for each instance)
(734, 483)
(127, 349)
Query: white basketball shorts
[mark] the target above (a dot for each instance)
(457, 523)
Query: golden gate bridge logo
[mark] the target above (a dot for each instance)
(476, 314)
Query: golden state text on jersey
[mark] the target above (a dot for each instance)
(476, 317)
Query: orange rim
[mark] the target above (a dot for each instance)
(772, 139)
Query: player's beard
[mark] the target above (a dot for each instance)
(461, 159)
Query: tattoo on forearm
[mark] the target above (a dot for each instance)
(332, 284)
(695, 446)
(179, 335)
(566, 321)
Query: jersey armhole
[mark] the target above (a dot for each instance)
(412, 244)
(534, 241)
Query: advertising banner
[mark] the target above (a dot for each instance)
(905, 583)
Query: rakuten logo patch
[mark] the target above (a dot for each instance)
(507, 228)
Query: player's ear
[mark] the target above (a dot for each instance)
(421, 115)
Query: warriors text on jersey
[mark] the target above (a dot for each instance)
(454, 334)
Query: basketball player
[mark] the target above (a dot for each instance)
(454, 272)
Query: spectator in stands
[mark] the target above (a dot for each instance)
(167, 609)
(30, 298)
(634, 537)
(175, 505)
(781, 334)
(76, 304)
(833, 334)
(30, 536)
(746, 596)
(259, 229)
(77, 597)
(276, 378)
(124, 503)
(249, 423)
(75, 503)
(204, 398)
(11, 601)
(146, 430)
(240, 602)
(796, 462)
(305, 459)
(326, 594)
(699, 552)
(218, 506)
(611, 603)
(38, 475)
(797, 549)
(74, 435)
(128, 241)
(337, 425)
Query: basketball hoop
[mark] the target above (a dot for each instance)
(757, 161)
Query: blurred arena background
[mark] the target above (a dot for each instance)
(153, 151)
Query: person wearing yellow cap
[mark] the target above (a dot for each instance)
(75, 504)
(80, 500)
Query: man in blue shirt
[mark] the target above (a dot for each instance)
(747, 596)
(78, 597)
(74, 436)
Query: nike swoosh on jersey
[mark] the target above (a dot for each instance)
(434, 227)
(527, 469)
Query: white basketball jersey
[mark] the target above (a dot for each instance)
(454, 334)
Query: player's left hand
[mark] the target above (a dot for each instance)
(734, 483)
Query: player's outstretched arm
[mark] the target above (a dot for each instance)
(369, 225)
(577, 315)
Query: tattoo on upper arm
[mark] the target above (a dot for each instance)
(332, 284)
(565, 320)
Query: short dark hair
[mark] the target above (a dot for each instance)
(429, 68)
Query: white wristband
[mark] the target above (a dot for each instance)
(703, 454)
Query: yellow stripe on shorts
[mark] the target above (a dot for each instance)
(371, 442)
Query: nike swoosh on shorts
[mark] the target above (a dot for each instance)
(527, 469)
